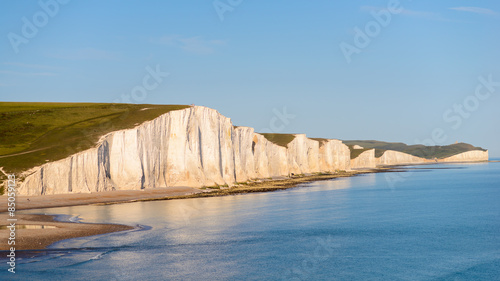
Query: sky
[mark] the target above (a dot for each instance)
(400, 71)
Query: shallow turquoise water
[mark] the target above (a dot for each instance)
(429, 224)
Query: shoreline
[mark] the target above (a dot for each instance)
(35, 239)
(78, 199)
(171, 193)
(53, 231)
(269, 185)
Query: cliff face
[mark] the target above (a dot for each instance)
(391, 157)
(365, 160)
(87, 171)
(469, 156)
(303, 156)
(191, 147)
(199, 147)
(309, 156)
(334, 155)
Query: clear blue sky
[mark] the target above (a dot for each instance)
(253, 58)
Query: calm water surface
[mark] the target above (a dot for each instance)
(429, 224)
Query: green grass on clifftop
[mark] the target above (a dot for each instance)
(428, 152)
(35, 133)
(279, 139)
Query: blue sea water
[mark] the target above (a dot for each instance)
(436, 222)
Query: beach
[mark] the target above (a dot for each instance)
(35, 239)
(35, 232)
(117, 196)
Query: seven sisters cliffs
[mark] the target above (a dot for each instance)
(196, 146)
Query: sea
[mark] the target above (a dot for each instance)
(427, 222)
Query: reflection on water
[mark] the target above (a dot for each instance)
(436, 225)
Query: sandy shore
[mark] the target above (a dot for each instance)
(120, 196)
(34, 239)
(41, 238)
(124, 196)
(267, 185)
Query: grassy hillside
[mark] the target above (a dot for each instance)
(429, 152)
(279, 139)
(34, 133)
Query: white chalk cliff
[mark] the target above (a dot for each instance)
(469, 156)
(399, 158)
(391, 157)
(193, 147)
(364, 160)
(197, 147)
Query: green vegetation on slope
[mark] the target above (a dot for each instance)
(379, 152)
(356, 152)
(279, 139)
(428, 152)
(34, 133)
